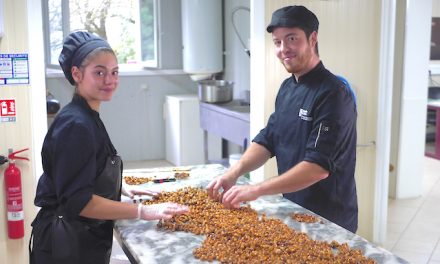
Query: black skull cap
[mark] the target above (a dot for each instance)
(293, 16)
(77, 45)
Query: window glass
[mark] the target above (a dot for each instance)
(55, 30)
(128, 25)
(148, 32)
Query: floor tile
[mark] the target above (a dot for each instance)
(391, 241)
(401, 214)
(422, 233)
(414, 224)
(396, 228)
(394, 233)
(428, 215)
(423, 247)
(118, 256)
(409, 202)
(435, 192)
(412, 257)
(436, 254)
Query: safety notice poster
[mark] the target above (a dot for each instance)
(14, 69)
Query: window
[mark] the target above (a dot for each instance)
(128, 25)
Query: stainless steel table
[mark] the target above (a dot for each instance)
(229, 121)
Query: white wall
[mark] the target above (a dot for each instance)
(22, 35)
(410, 98)
(237, 62)
(134, 117)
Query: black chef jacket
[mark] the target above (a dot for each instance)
(74, 153)
(315, 121)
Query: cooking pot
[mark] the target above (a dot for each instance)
(52, 104)
(215, 91)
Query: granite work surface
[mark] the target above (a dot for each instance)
(144, 243)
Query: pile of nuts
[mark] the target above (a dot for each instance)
(305, 218)
(242, 236)
(132, 180)
(179, 175)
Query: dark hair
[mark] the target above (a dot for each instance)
(308, 31)
(94, 53)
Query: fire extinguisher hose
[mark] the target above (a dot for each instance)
(12, 156)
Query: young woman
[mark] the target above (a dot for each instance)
(79, 191)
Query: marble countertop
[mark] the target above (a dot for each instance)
(143, 242)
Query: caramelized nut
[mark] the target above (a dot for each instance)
(241, 236)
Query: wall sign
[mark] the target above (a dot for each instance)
(8, 111)
(14, 69)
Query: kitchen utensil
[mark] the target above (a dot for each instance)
(215, 91)
(164, 180)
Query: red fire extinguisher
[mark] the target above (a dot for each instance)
(14, 196)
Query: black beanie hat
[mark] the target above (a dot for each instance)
(293, 16)
(76, 47)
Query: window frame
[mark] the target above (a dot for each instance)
(124, 67)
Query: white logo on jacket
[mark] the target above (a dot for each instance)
(303, 115)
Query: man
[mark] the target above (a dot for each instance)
(312, 132)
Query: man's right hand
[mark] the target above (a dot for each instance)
(225, 182)
(255, 156)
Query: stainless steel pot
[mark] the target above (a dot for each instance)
(215, 91)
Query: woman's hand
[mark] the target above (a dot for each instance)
(160, 211)
(131, 192)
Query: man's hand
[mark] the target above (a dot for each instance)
(238, 194)
(225, 182)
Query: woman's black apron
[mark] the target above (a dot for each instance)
(58, 238)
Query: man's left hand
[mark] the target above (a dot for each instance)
(238, 194)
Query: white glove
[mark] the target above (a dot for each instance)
(160, 211)
(131, 192)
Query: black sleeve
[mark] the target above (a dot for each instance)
(74, 166)
(333, 128)
(265, 137)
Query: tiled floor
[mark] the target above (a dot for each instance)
(413, 224)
